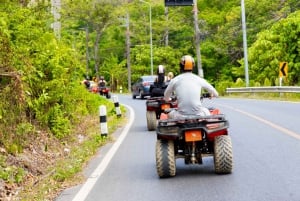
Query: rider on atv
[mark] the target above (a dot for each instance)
(102, 88)
(102, 82)
(185, 86)
(157, 89)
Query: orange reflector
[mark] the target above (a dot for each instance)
(193, 135)
(163, 116)
(165, 106)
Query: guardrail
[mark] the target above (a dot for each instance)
(274, 89)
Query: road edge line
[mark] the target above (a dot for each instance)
(92, 179)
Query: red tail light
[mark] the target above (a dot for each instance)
(211, 136)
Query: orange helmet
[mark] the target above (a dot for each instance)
(187, 63)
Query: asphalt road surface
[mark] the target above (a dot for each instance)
(266, 147)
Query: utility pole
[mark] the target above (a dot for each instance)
(56, 25)
(167, 29)
(128, 52)
(87, 38)
(197, 40)
(245, 42)
(151, 43)
(150, 27)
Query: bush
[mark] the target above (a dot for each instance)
(222, 86)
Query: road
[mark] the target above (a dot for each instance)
(266, 146)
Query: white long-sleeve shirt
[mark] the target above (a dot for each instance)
(187, 87)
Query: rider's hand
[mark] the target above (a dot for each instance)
(212, 96)
(173, 98)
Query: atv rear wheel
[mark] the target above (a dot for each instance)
(223, 155)
(151, 120)
(165, 158)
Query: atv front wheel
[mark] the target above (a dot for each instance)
(151, 120)
(165, 158)
(223, 155)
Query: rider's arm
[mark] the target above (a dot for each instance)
(169, 91)
(210, 88)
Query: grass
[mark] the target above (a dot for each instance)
(67, 170)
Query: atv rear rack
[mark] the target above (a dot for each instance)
(193, 119)
(213, 125)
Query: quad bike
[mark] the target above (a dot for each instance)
(104, 91)
(155, 107)
(192, 138)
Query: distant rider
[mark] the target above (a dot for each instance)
(102, 82)
(86, 83)
(157, 89)
(187, 88)
(170, 76)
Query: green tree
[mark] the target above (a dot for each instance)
(280, 43)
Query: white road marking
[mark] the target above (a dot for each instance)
(91, 181)
(282, 129)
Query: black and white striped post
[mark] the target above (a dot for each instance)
(103, 121)
(117, 106)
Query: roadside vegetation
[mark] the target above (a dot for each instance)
(267, 96)
(49, 122)
(49, 125)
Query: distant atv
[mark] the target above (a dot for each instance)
(155, 107)
(104, 91)
(193, 138)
